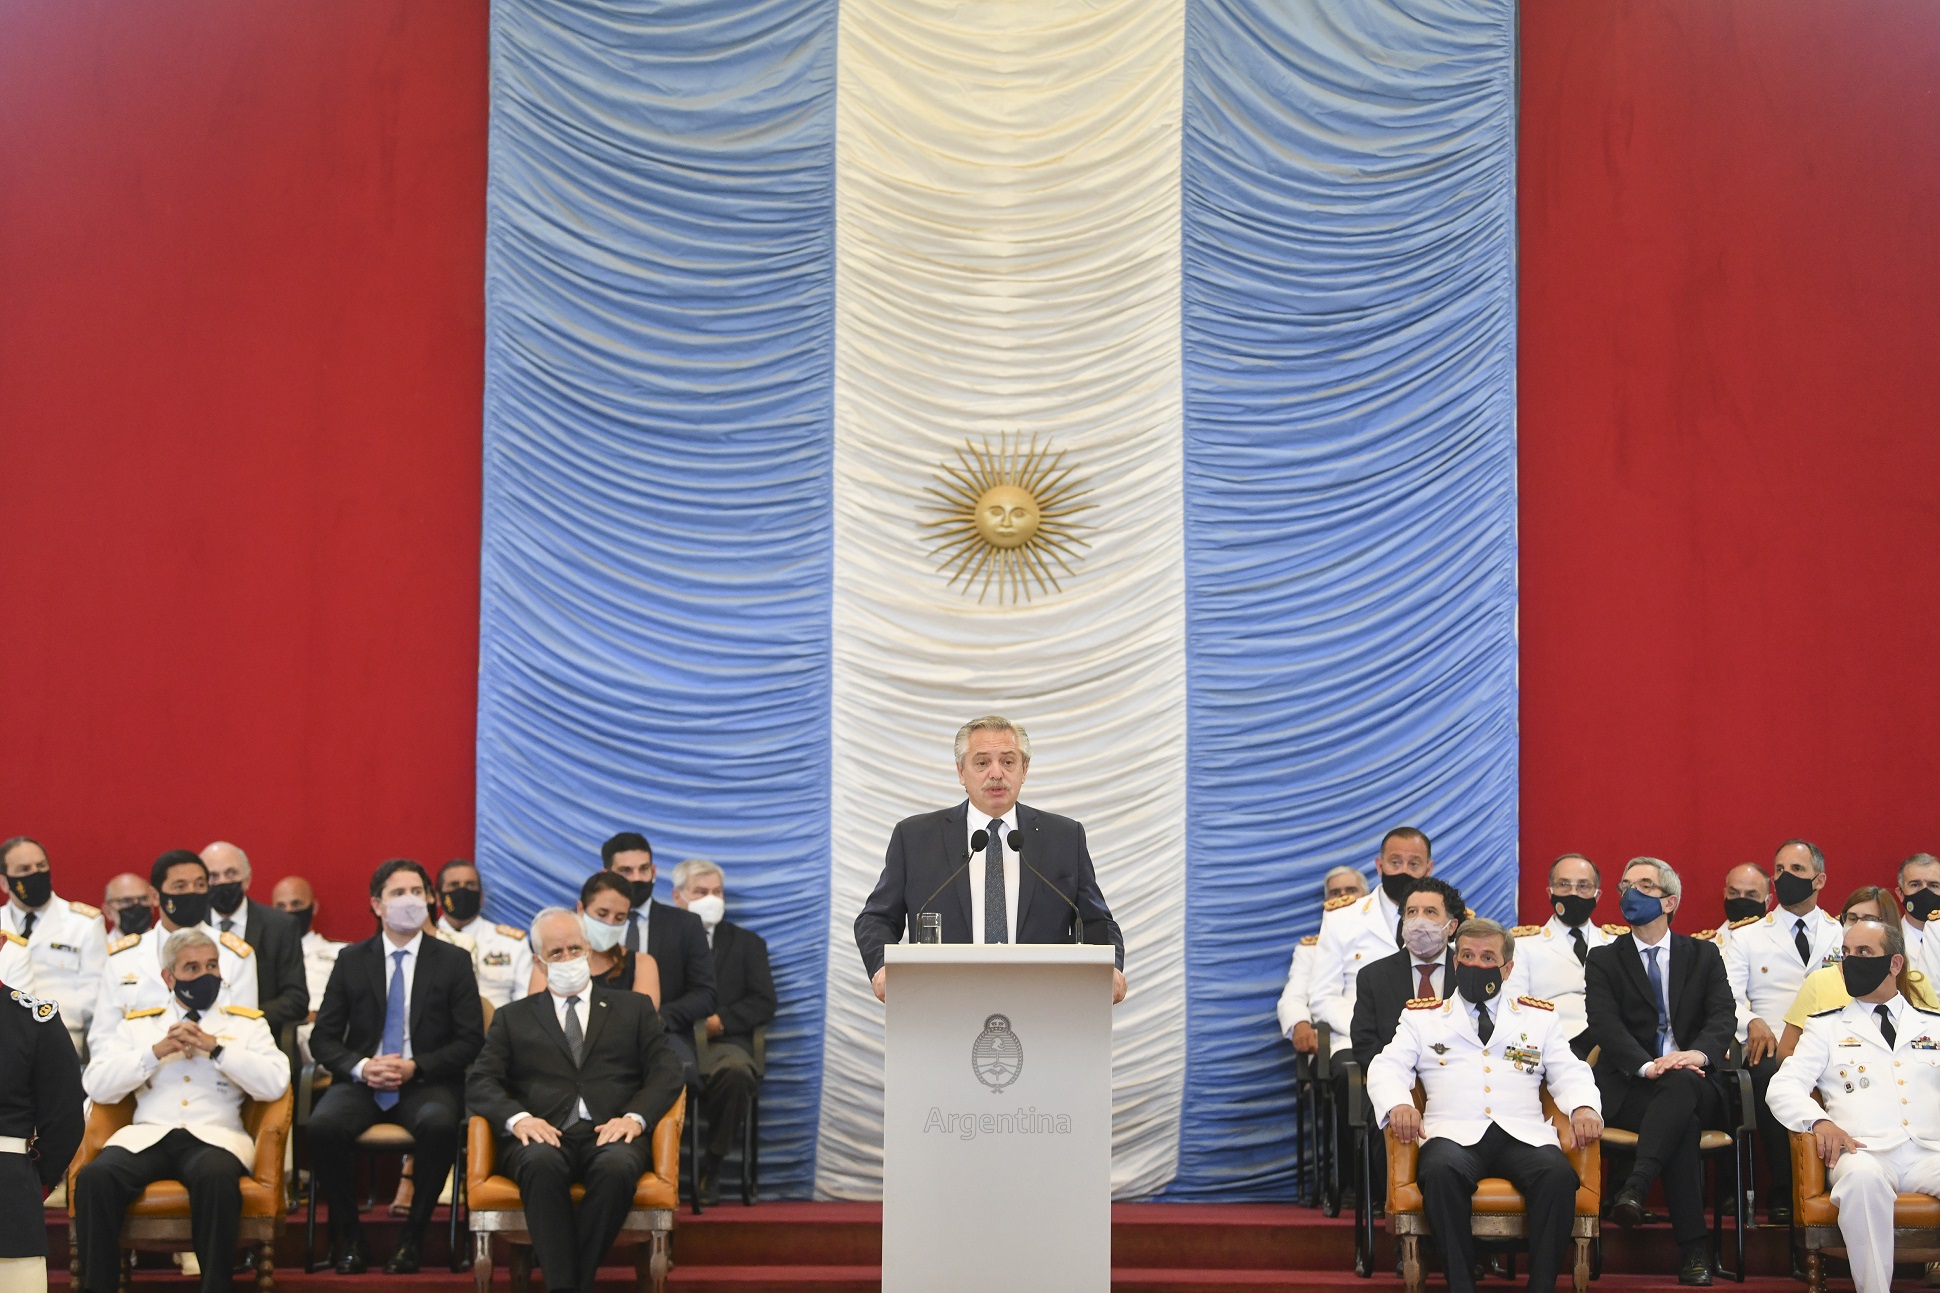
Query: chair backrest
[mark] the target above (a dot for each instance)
(486, 1007)
(266, 1121)
(1404, 1159)
(481, 1147)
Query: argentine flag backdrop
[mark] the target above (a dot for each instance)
(759, 270)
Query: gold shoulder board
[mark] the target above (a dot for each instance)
(243, 1012)
(1537, 1002)
(1345, 900)
(1424, 1003)
(1706, 935)
(82, 909)
(1311, 940)
(123, 943)
(235, 945)
(13, 937)
(1749, 920)
(511, 931)
(1526, 931)
(1468, 913)
(145, 1012)
(1614, 930)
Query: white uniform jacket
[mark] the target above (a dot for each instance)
(16, 965)
(1546, 968)
(1353, 935)
(132, 979)
(501, 958)
(1762, 965)
(1471, 1085)
(202, 1095)
(319, 958)
(1881, 1096)
(68, 948)
(1294, 1005)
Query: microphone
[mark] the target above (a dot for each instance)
(977, 841)
(1016, 843)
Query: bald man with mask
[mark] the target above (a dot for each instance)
(282, 993)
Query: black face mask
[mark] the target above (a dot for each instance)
(1923, 904)
(226, 897)
(1398, 886)
(642, 893)
(461, 905)
(302, 916)
(33, 889)
(1792, 889)
(1479, 984)
(1572, 908)
(1864, 973)
(135, 920)
(200, 993)
(1737, 909)
(186, 909)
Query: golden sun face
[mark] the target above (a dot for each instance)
(1006, 517)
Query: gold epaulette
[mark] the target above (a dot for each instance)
(1749, 920)
(1311, 940)
(82, 909)
(1706, 935)
(1468, 913)
(123, 943)
(243, 1012)
(1345, 900)
(1424, 1003)
(145, 1012)
(13, 937)
(236, 945)
(1614, 930)
(1526, 931)
(1537, 1002)
(511, 931)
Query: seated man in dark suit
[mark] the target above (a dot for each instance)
(573, 1080)
(399, 1025)
(673, 938)
(744, 1000)
(282, 991)
(1661, 1010)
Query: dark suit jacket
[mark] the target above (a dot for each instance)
(1623, 1013)
(930, 852)
(447, 1023)
(1382, 990)
(282, 991)
(677, 941)
(526, 1066)
(744, 989)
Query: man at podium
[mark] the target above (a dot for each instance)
(991, 870)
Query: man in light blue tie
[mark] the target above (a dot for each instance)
(399, 1024)
(1660, 1008)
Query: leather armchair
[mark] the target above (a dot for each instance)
(1916, 1217)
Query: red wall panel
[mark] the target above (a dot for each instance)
(241, 338)
(1730, 434)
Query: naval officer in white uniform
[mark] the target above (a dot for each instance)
(1341, 885)
(133, 978)
(1550, 956)
(63, 940)
(501, 957)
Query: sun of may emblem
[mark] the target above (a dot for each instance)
(1006, 516)
(997, 1057)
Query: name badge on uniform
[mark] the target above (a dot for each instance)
(1850, 1041)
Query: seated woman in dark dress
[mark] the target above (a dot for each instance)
(605, 902)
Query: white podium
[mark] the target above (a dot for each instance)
(997, 1118)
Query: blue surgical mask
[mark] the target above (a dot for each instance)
(1639, 908)
(600, 936)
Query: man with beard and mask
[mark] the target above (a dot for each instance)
(1550, 956)
(1483, 1058)
(294, 897)
(399, 1023)
(189, 1065)
(1766, 963)
(1920, 895)
(282, 990)
(128, 902)
(675, 939)
(132, 979)
(1875, 1134)
(503, 958)
(744, 1000)
(1424, 967)
(1660, 1010)
(63, 940)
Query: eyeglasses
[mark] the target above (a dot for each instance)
(1585, 887)
(1650, 887)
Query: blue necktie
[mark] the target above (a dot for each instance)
(996, 927)
(1657, 998)
(393, 1043)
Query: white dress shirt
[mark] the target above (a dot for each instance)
(409, 969)
(1663, 975)
(975, 821)
(559, 1013)
(238, 923)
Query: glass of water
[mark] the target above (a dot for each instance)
(929, 927)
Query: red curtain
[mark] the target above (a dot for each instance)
(1730, 436)
(241, 330)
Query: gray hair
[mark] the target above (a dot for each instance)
(1818, 858)
(192, 936)
(544, 914)
(1666, 877)
(1328, 879)
(694, 869)
(1483, 927)
(1918, 859)
(992, 723)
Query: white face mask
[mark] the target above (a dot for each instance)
(404, 914)
(710, 909)
(568, 978)
(1425, 937)
(600, 936)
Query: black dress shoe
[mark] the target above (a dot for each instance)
(405, 1260)
(1628, 1210)
(1695, 1268)
(349, 1256)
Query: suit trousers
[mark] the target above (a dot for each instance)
(1864, 1184)
(1542, 1174)
(430, 1112)
(116, 1177)
(1668, 1113)
(1776, 1141)
(727, 1091)
(569, 1244)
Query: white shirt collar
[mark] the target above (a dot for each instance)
(392, 949)
(980, 820)
(1642, 946)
